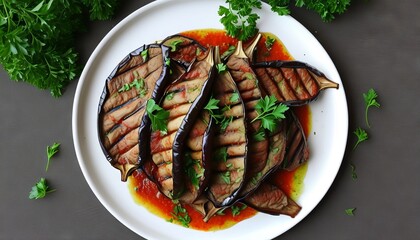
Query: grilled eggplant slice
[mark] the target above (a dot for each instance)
(250, 92)
(297, 149)
(292, 82)
(268, 198)
(184, 50)
(184, 100)
(122, 104)
(197, 157)
(229, 160)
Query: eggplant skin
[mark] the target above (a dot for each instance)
(122, 103)
(186, 126)
(293, 83)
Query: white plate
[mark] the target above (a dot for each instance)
(163, 18)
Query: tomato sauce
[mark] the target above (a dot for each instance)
(146, 193)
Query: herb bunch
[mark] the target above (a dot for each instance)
(240, 20)
(37, 39)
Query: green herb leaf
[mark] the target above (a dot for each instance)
(234, 97)
(37, 39)
(239, 19)
(370, 100)
(269, 42)
(51, 151)
(228, 52)
(144, 54)
(174, 45)
(158, 116)
(40, 190)
(221, 67)
(193, 170)
(181, 215)
(350, 211)
(269, 112)
(236, 210)
(353, 171)
(361, 135)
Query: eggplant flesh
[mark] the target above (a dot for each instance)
(292, 82)
(122, 105)
(270, 199)
(250, 91)
(184, 50)
(196, 159)
(229, 160)
(297, 149)
(189, 91)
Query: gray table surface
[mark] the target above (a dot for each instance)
(375, 44)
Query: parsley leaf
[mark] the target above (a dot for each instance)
(51, 151)
(361, 136)
(40, 190)
(158, 116)
(269, 112)
(236, 210)
(350, 211)
(239, 19)
(181, 215)
(174, 45)
(269, 42)
(370, 100)
(221, 67)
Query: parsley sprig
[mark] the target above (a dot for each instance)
(158, 116)
(37, 39)
(180, 214)
(370, 100)
(240, 20)
(361, 135)
(269, 112)
(218, 114)
(40, 190)
(51, 151)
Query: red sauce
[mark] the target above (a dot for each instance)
(146, 193)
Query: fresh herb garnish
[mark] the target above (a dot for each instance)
(181, 215)
(361, 135)
(234, 97)
(174, 45)
(193, 170)
(225, 177)
(144, 54)
(158, 116)
(353, 171)
(240, 20)
(139, 84)
(370, 100)
(40, 190)
(221, 154)
(269, 42)
(228, 52)
(350, 211)
(269, 112)
(221, 67)
(51, 151)
(259, 135)
(37, 39)
(236, 210)
(170, 96)
(218, 114)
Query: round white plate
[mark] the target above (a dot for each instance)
(155, 21)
